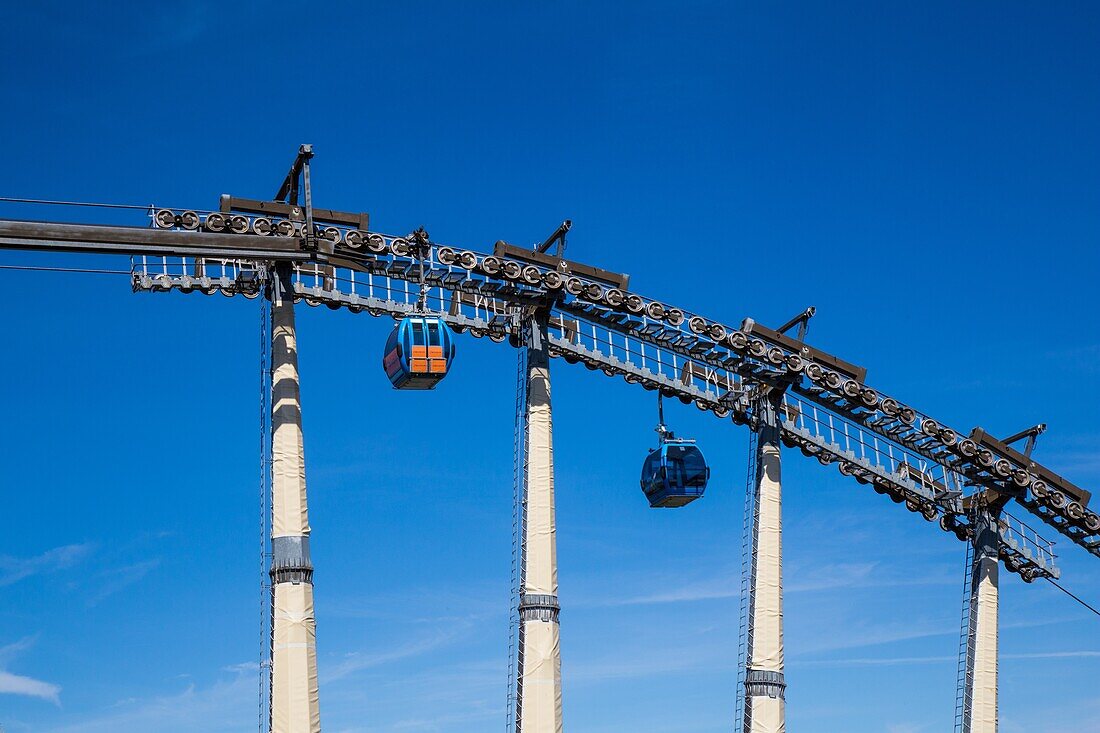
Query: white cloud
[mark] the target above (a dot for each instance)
(119, 578)
(14, 569)
(357, 661)
(13, 684)
(225, 706)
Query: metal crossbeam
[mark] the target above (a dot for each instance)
(883, 442)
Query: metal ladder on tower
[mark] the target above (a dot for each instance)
(966, 647)
(519, 474)
(748, 565)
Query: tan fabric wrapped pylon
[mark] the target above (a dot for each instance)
(539, 674)
(765, 684)
(294, 661)
(983, 704)
(981, 678)
(294, 687)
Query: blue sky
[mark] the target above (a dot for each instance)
(925, 174)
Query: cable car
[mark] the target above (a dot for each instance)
(675, 473)
(419, 352)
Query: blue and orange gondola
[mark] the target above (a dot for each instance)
(419, 352)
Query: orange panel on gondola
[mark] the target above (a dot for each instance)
(418, 365)
(438, 366)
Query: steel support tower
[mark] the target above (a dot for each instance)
(980, 697)
(294, 687)
(765, 686)
(538, 675)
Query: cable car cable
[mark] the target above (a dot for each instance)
(28, 268)
(1074, 597)
(9, 200)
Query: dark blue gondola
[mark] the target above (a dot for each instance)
(419, 352)
(675, 473)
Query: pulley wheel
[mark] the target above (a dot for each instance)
(165, 219)
(532, 275)
(400, 247)
(216, 222)
(511, 270)
(697, 325)
(446, 256)
(737, 340)
(614, 297)
(189, 220)
(238, 224)
(491, 265)
(467, 260)
(634, 304)
(262, 226)
(654, 310)
(552, 279)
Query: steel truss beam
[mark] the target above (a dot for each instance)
(885, 442)
(904, 476)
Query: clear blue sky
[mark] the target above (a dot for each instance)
(926, 174)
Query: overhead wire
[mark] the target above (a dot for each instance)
(1074, 597)
(30, 268)
(90, 204)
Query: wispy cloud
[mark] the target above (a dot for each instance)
(119, 578)
(13, 684)
(357, 661)
(664, 662)
(1081, 359)
(218, 708)
(898, 661)
(801, 579)
(14, 569)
